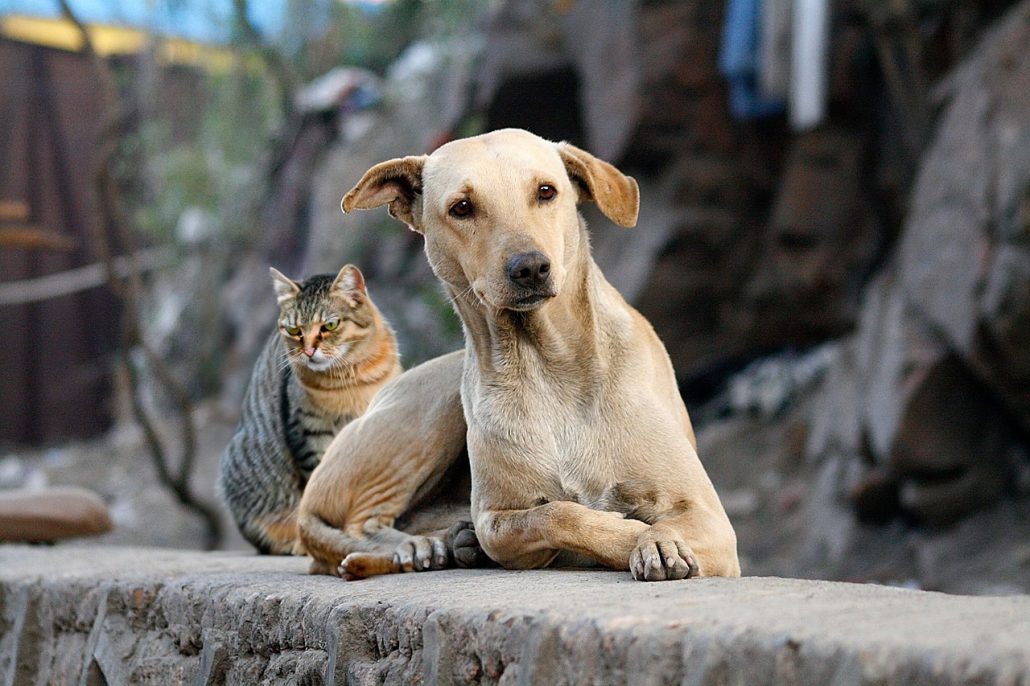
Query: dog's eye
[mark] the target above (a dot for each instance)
(461, 209)
(546, 192)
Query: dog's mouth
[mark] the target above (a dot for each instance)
(515, 300)
(529, 302)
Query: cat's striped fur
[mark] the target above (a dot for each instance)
(331, 352)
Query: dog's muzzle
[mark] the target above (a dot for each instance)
(529, 270)
(530, 275)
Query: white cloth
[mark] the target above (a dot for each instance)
(808, 82)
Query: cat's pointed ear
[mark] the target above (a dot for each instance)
(351, 282)
(285, 287)
(395, 182)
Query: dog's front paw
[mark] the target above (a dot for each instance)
(464, 546)
(421, 553)
(662, 560)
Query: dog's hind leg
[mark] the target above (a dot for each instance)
(435, 550)
(416, 554)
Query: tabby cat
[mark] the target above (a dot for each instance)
(332, 351)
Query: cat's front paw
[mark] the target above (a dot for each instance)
(421, 553)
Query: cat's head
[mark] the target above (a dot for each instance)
(323, 318)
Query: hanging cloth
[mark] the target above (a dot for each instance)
(774, 49)
(808, 76)
(739, 61)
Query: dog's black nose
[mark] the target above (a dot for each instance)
(529, 269)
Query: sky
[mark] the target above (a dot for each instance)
(200, 20)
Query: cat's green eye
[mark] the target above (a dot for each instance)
(293, 330)
(331, 325)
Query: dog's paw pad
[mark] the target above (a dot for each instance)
(465, 548)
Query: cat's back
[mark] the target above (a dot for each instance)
(262, 402)
(256, 453)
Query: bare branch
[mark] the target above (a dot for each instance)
(280, 69)
(79, 279)
(127, 285)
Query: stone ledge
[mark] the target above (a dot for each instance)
(92, 615)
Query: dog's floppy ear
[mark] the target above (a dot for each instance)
(616, 194)
(397, 182)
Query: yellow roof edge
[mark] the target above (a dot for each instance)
(110, 39)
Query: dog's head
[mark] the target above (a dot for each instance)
(498, 211)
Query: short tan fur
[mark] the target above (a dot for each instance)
(577, 436)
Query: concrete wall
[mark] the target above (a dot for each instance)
(96, 615)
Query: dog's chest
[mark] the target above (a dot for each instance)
(559, 444)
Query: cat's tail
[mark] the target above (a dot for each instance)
(274, 533)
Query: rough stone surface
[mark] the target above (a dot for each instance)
(933, 378)
(137, 615)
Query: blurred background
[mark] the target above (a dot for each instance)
(834, 241)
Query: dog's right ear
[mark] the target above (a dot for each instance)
(395, 182)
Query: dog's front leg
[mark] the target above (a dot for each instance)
(698, 542)
(532, 538)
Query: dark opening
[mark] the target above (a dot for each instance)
(546, 104)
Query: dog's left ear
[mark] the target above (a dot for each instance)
(616, 194)
(397, 182)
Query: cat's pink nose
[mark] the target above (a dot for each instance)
(309, 351)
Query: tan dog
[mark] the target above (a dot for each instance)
(577, 436)
(398, 466)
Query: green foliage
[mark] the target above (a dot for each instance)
(237, 114)
(329, 33)
(234, 124)
(438, 303)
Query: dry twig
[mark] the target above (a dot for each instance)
(128, 287)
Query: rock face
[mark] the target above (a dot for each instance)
(721, 277)
(934, 387)
(132, 616)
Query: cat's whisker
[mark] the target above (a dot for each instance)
(339, 363)
(285, 362)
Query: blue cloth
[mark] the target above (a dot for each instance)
(738, 61)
